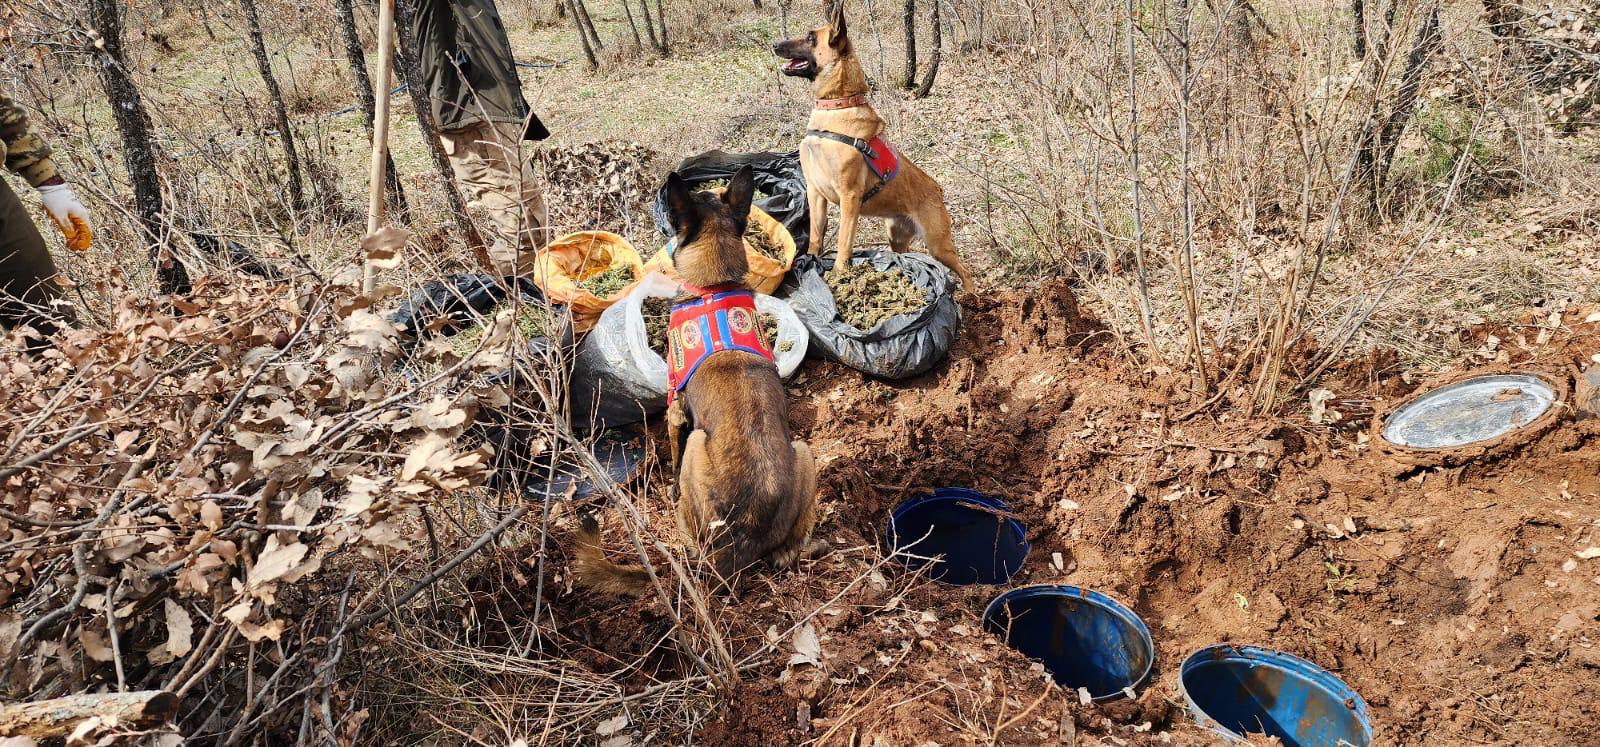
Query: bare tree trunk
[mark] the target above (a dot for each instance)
(358, 69)
(649, 25)
(627, 11)
(258, 45)
(1427, 42)
(910, 17)
(138, 149)
(588, 25)
(1358, 17)
(661, 21)
(933, 59)
(411, 73)
(583, 36)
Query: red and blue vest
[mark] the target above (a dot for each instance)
(713, 323)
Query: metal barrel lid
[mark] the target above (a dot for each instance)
(1474, 410)
(1235, 690)
(1086, 639)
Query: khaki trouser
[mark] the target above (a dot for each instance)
(495, 172)
(27, 273)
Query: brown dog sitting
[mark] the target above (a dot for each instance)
(847, 162)
(746, 491)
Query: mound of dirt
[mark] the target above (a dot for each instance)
(1461, 603)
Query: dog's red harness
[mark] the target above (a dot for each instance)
(713, 323)
(880, 156)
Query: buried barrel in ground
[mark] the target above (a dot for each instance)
(1086, 639)
(1238, 690)
(1469, 416)
(959, 536)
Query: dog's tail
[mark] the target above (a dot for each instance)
(591, 569)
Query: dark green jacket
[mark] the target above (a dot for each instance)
(467, 63)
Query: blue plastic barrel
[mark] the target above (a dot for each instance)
(1086, 639)
(1235, 690)
(961, 536)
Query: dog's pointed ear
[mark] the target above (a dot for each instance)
(681, 210)
(741, 189)
(838, 36)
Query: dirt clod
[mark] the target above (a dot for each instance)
(867, 297)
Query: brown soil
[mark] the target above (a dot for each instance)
(1453, 600)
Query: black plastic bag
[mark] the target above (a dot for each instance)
(901, 346)
(777, 174)
(451, 303)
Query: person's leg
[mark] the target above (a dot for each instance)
(27, 273)
(517, 206)
(483, 185)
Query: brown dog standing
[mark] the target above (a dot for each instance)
(746, 491)
(847, 163)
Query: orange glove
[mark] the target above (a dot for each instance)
(69, 215)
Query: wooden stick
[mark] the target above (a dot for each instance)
(380, 132)
(46, 719)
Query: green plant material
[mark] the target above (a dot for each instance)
(1447, 129)
(657, 318)
(715, 184)
(531, 323)
(756, 236)
(607, 284)
(867, 297)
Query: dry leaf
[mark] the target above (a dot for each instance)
(807, 649)
(96, 644)
(211, 515)
(382, 247)
(275, 561)
(1589, 554)
(180, 630)
(612, 725)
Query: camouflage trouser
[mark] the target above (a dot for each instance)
(495, 170)
(27, 285)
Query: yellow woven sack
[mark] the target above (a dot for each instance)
(579, 256)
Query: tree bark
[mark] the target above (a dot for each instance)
(258, 45)
(1422, 49)
(910, 17)
(583, 36)
(588, 25)
(56, 719)
(627, 11)
(933, 59)
(411, 73)
(358, 69)
(138, 143)
(649, 25)
(661, 21)
(1358, 17)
